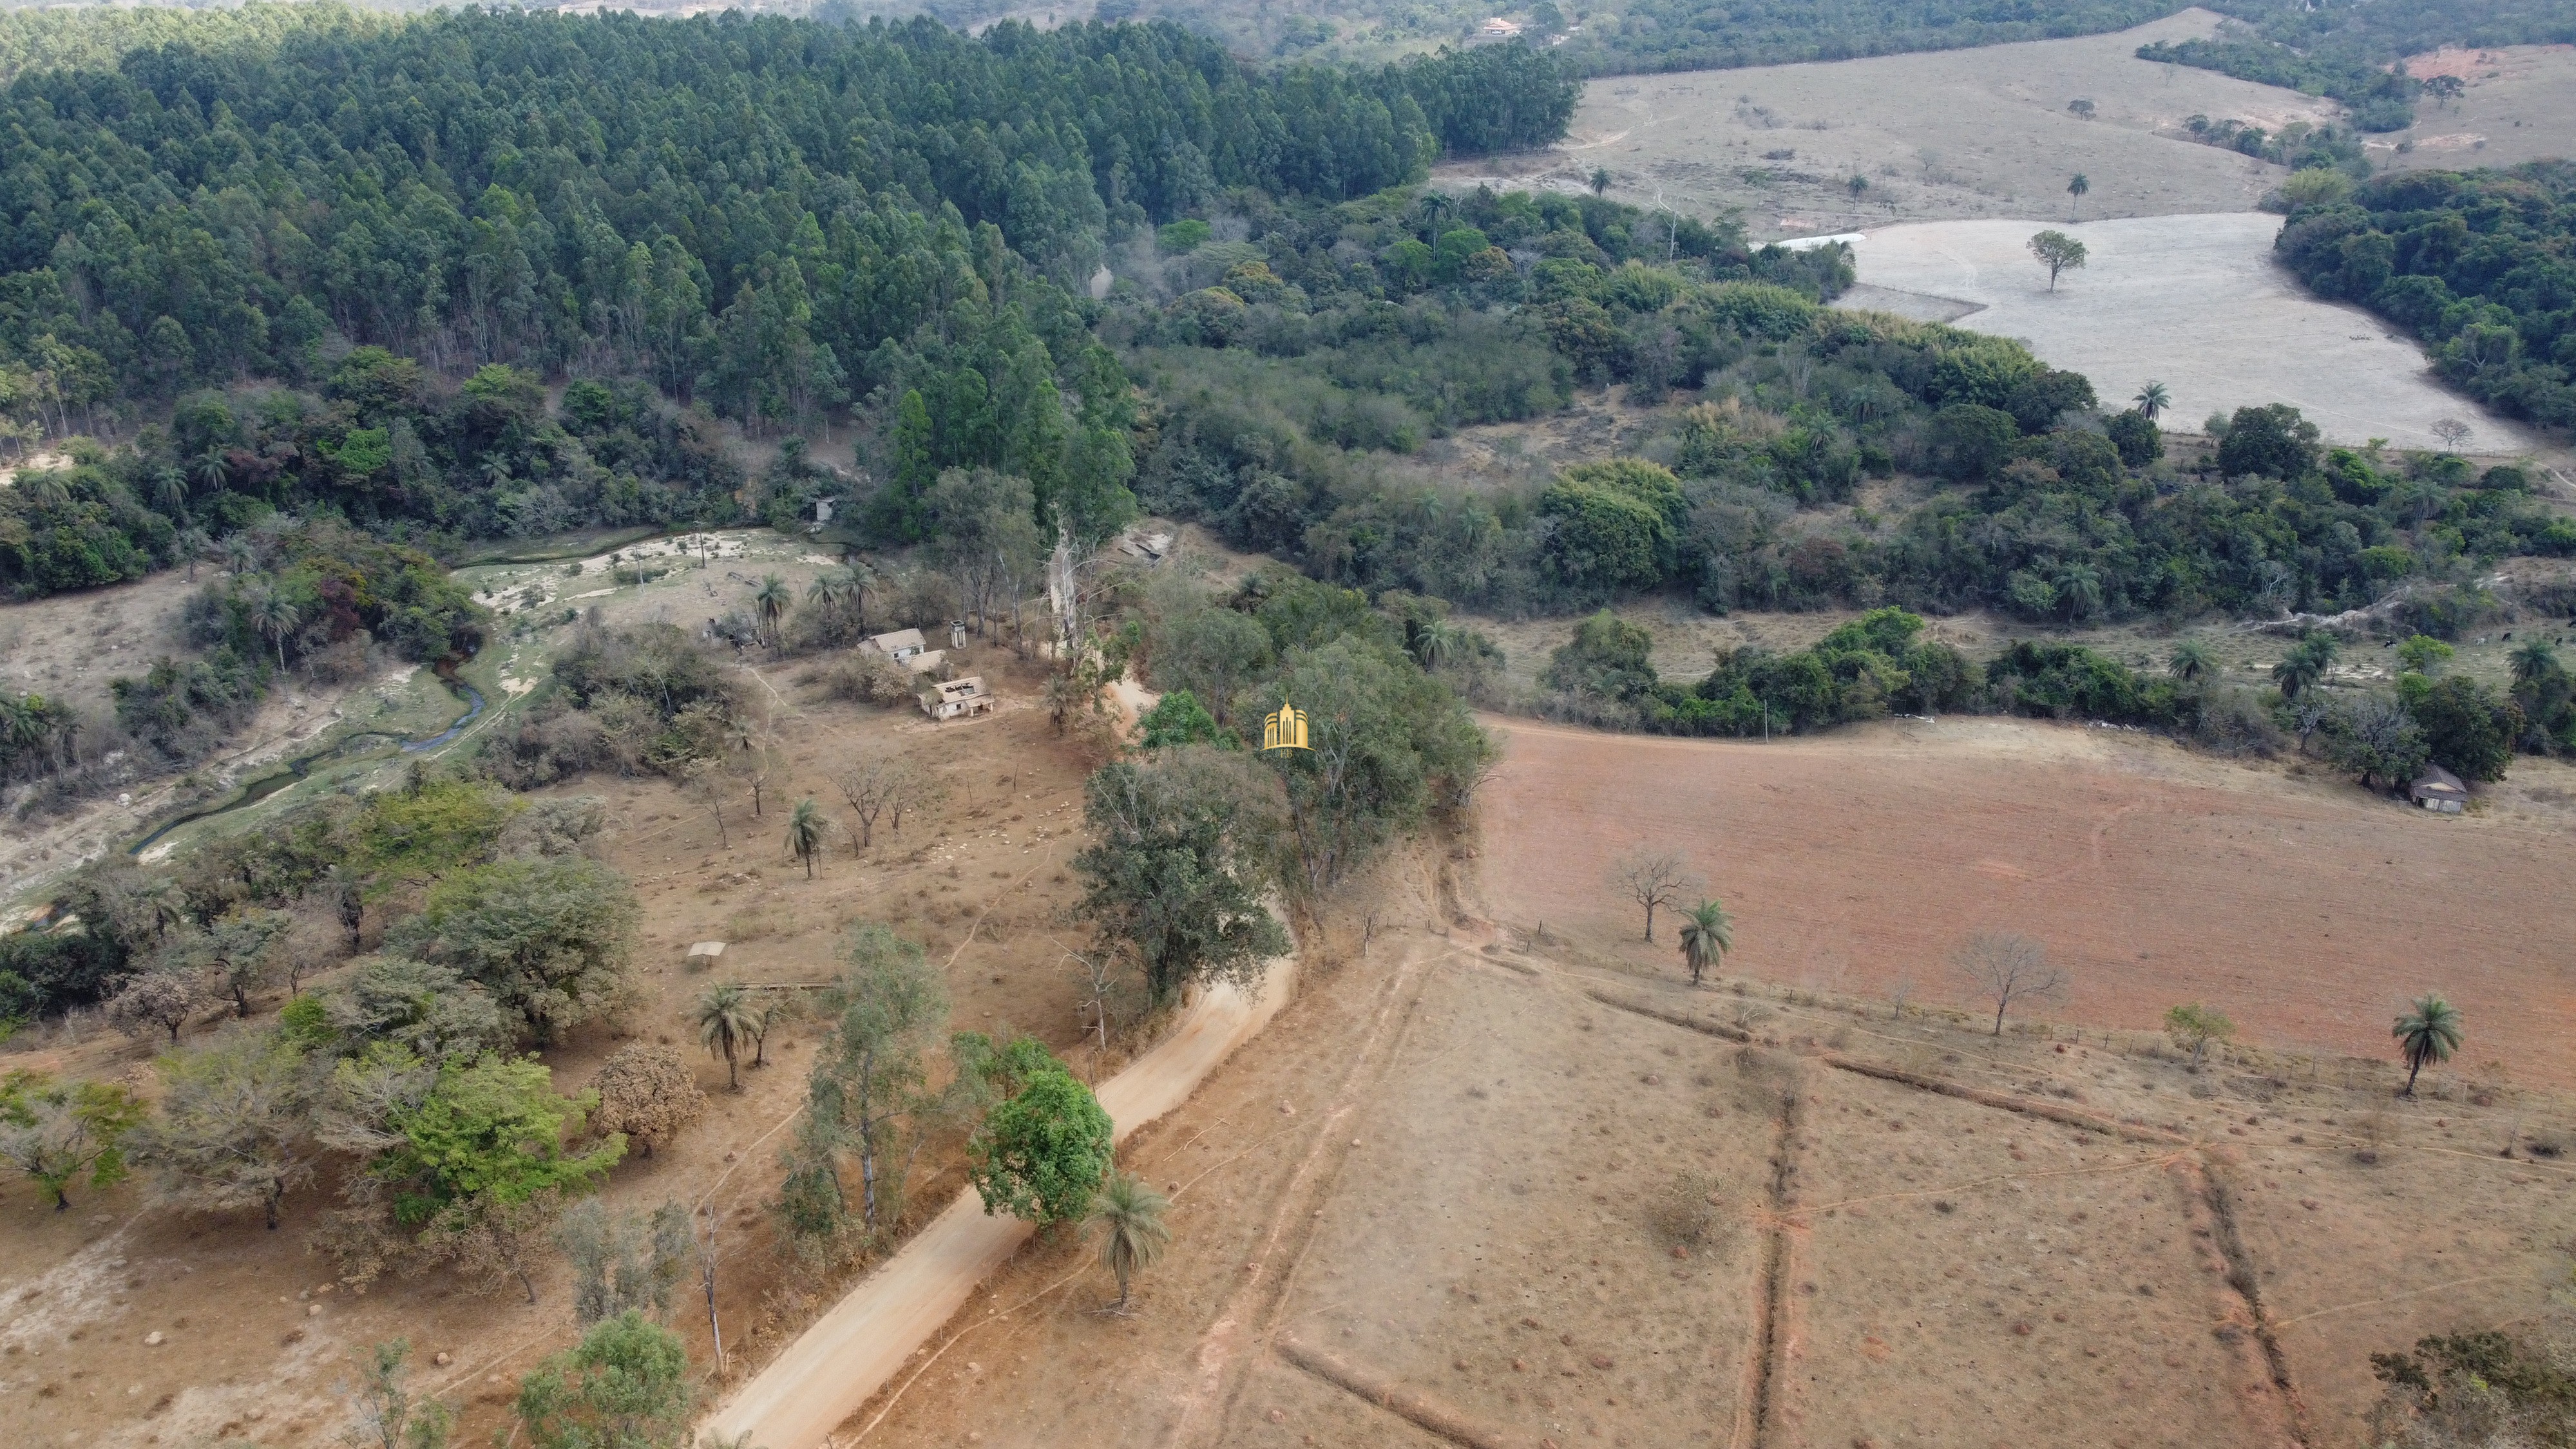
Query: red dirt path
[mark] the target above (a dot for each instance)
(2305, 909)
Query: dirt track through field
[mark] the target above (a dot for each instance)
(1857, 861)
(859, 1346)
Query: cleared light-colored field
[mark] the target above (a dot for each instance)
(1962, 133)
(2194, 302)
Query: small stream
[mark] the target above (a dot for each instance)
(365, 742)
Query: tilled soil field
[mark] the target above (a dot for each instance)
(2305, 908)
(1499, 1195)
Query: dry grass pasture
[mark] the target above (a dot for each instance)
(2519, 105)
(1857, 861)
(1469, 1191)
(1947, 134)
(2195, 302)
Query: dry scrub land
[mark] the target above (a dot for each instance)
(1962, 133)
(257, 1336)
(2519, 105)
(1512, 1195)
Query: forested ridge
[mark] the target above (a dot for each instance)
(772, 217)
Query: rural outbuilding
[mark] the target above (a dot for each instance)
(2439, 789)
(958, 698)
(704, 954)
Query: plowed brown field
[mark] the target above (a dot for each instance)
(2306, 909)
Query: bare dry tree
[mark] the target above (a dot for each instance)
(869, 787)
(913, 789)
(2009, 968)
(1654, 878)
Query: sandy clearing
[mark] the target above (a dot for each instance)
(856, 1348)
(2195, 302)
(2518, 105)
(1857, 861)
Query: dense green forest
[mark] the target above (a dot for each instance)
(2349, 50)
(772, 218)
(2481, 265)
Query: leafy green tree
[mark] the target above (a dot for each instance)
(1176, 868)
(724, 1020)
(1607, 659)
(2058, 252)
(807, 828)
(2428, 1031)
(233, 1130)
(430, 1010)
(1212, 654)
(241, 947)
(1708, 933)
(1179, 719)
(1042, 1153)
(2272, 441)
(2423, 654)
(548, 937)
(2467, 729)
(1127, 1214)
(625, 1387)
(2193, 1027)
(60, 1132)
(477, 1162)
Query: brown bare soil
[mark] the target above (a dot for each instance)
(2308, 910)
(2518, 103)
(1436, 1205)
(256, 1334)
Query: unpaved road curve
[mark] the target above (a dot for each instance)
(825, 1375)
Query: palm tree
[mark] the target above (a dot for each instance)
(2191, 661)
(862, 579)
(805, 830)
(1600, 180)
(772, 599)
(830, 590)
(240, 555)
(1435, 643)
(1129, 1215)
(2076, 188)
(725, 1021)
(2079, 588)
(2305, 665)
(2533, 660)
(1708, 933)
(2428, 1033)
(273, 614)
(170, 492)
(210, 470)
(2153, 399)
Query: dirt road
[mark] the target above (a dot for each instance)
(854, 1350)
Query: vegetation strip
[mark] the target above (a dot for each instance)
(2243, 1280)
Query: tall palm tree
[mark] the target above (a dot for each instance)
(2076, 188)
(1129, 1217)
(2534, 659)
(2305, 666)
(805, 830)
(1708, 933)
(2153, 399)
(2191, 662)
(725, 1021)
(772, 599)
(241, 556)
(170, 492)
(275, 615)
(2079, 588)
(830, 590)
(1435, 643)
(210, 470)
(2429, 1032)
(1600, 180)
